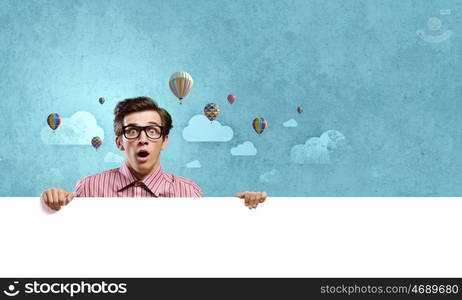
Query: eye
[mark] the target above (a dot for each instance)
(131, 131)
(153, 130)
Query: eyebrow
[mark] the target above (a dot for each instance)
(136, 124)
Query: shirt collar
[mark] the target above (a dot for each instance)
(152, 181)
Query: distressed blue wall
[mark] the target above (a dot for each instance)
(383, 76)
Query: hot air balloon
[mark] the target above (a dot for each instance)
(299, 109)
(96, 142)
(259, 125)
(211, 111)
(54, 120)
(102, 100)
(231, 98)
(181, 84)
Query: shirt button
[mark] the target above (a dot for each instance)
(138, 183)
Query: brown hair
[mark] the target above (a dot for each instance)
(138, 104)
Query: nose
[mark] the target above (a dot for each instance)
(143, 138)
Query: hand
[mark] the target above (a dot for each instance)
(252, 199)
(56, 197)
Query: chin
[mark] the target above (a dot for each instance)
(145, 166)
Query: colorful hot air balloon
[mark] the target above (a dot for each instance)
(231, 98)
(101, 100)
(211, 111)
(181, 84)
(259, 125)
(96, 142)
(54, 120)
(299, 109)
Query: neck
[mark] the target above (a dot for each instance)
(140, 175)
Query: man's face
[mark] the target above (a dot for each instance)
(136, 149)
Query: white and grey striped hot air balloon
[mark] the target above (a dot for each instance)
(181, 84)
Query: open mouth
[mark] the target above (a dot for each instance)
(143, 154)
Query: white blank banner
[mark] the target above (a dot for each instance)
(220, 237)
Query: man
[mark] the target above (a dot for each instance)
(141, 128)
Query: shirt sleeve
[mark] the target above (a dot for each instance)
(196, 191)
(79, 189)
(185, 188)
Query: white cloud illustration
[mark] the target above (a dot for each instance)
(319, 150)
(111, 157)
(244, 149)
(201, 129)
(194, 164)
(79, 129)
(290, 123)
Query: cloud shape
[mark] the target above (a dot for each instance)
(200, 129)
(325, 149)
(111, 157)
(244, 149)
(270, 176)
(79, 129)
(290, 123)
(194, 164)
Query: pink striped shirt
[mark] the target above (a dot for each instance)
(122, 183)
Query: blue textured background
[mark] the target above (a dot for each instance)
(357, 67)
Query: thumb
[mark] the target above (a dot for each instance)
(241, 195)
(69, 197)
(264, 195)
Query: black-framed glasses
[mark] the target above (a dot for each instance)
(153, 132)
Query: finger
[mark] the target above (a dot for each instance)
(61, 197)
(254, 200)
(57, 200)
(246, 202)
(263, 197)
(259, 199)
(50, 200)
(44, 198)
(248, 199)
(54, 199)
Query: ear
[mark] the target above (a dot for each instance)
(119, 143)
(164, 143)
